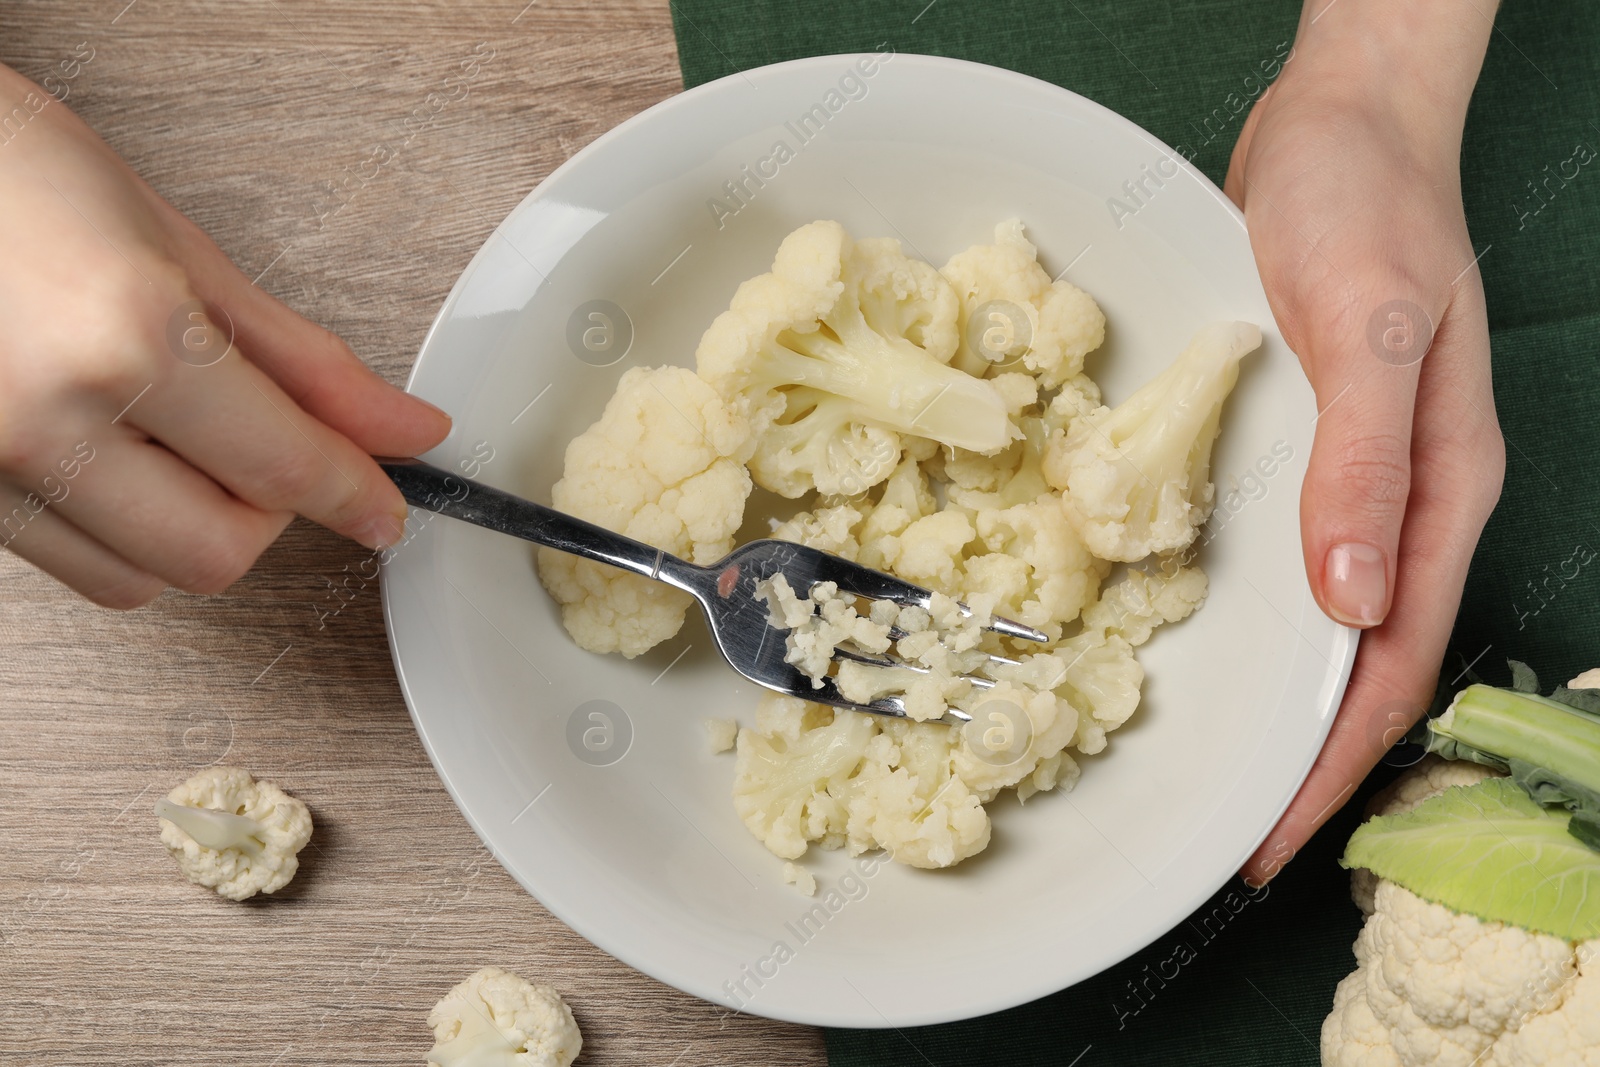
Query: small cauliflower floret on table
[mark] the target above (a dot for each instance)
(1444, 989)
(234, 834)
(1137, 477)
(835, 354)
(497, 1019)
(663, 465)
(1064, 323)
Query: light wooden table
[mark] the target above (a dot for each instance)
(247, 117)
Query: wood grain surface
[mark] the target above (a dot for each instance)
(260, 120)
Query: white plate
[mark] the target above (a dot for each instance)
(645, 856)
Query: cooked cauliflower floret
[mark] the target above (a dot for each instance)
(850, 778)
(803, 880)
(1433, 987)
(791, 771)
(1034, 564)
(720, 734)
(925, 696)
(837, 353)
(1144, 599)
(1026, 552)
(663, 465)
(1137, 477)
(818, 624)
(1011, 544)
(496, 1019)
(1015, 728)
(893, 808)
(232, 833)
(1064, 322)
(807, 773)
(939, 644)
(829, 529)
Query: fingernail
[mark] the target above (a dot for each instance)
(434, 407)
(382, 532)
(1356, 583)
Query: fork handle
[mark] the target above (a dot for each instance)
(462, 498)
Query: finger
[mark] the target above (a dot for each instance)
(1358, 479)
(233, 422)
(1460, 464)
(311, 364)
(165, 517)
(32, 530)
(1361, 317)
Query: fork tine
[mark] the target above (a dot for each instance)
(875, 585)
(884, 659)
(896, 663)
(878, 660)
(1013, 629)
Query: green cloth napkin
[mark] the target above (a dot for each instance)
(1253, 981)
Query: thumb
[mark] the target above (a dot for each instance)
(1363, 359)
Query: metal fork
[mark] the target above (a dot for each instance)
(740, 623)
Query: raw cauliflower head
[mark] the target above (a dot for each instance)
(663, 465)
(1137, 477)
(1064, 323)
(1440, 989)
(234, 834)
(836, 354)
(496, 1019)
